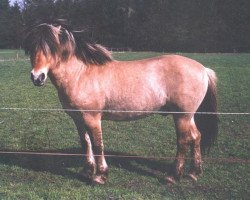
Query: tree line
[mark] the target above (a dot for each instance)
(148, 25)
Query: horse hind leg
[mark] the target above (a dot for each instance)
(196, 163)
(186, 136)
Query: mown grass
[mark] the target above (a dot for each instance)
(57, 177)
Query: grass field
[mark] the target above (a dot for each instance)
(56, 177)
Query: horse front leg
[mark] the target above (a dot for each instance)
(89, 169)
(90, 164)
(102, 167)
(94, 125)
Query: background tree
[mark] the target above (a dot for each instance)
(10, 25)
(159, 25)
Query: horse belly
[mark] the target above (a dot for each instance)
(135, 107)
(124, 115)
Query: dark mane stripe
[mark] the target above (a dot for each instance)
(57, 40)
(91, 53)
(67, 44)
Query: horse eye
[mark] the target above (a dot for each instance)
(65, 54)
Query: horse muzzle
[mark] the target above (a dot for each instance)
(38, 80)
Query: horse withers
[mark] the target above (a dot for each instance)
(90, 81)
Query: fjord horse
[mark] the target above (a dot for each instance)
(90, 81)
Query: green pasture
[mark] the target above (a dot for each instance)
(153, 138)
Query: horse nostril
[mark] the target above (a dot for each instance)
(38, 80)
(41, 77)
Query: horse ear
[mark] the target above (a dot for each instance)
(59, 27)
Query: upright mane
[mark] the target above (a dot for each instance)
(57, 40)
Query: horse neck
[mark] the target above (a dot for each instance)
(65, 72)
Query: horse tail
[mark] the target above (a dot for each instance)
(207, 123)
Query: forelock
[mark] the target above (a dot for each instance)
(43, 37)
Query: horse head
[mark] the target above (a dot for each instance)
(47, 45)
(51, 44)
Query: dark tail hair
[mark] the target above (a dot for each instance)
(207, 124)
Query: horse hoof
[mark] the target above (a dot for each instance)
(192, 177)
(170, 180)
(99, 180)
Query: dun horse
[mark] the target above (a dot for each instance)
(90, 81)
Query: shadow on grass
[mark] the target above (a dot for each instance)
(59, 165)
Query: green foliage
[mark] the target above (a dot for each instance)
(56, 177)
(183, 26)
(10, 25)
